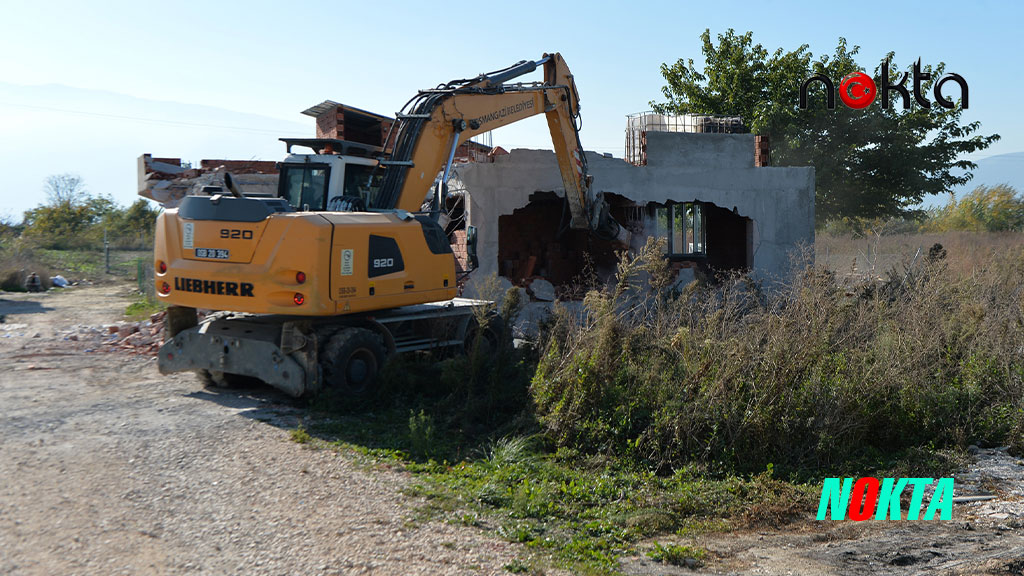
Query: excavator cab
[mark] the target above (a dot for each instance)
(338, 177)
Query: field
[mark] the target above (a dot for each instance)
(873, 253)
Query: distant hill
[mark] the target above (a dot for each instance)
(1001, 169)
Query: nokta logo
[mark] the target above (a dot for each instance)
(858, 90)
(868, 497)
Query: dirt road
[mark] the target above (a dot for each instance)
(108, 467)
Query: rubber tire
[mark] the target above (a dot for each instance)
(351, 361)
(178, 319)
(218, 379)
(212, 379)
(492, 335)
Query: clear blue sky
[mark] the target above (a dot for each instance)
(275, 59)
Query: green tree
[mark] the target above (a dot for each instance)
(869, 163)
(70, 216)
(132, 226)
(986, 208)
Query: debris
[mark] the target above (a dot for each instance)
(137, 337)
(542, 290)
(965, 499)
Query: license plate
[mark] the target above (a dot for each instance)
(213, 253)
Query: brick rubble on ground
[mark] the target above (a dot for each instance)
(143, 337)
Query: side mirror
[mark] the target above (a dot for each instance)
(474, 262)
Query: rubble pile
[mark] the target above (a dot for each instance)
(137, 337)
(996, 473)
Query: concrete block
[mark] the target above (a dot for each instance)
(542, 290)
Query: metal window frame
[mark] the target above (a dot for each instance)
(282, 183)
(672, 254)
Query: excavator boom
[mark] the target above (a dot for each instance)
(441, 119)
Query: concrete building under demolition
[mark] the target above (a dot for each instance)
(701, 183)
(698, 182)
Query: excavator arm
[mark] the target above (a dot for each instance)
(435, 122)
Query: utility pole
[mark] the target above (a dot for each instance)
(106, 250)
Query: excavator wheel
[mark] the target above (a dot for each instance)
(213, 379)
(218, 379)
(490, 335)
(179, 319)
(351, 361)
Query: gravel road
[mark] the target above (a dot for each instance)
(110, 468)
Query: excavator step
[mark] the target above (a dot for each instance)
(413, 344)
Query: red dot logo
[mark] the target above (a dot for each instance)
(857, 90)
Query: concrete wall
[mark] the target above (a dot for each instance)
(716, 168)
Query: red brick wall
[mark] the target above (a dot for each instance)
(327, 125)
(762, 151)
(241, 166)
(459, 248)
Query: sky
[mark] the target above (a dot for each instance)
(86, 88)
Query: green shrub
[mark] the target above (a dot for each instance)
(807, 376)
(422, 439)
(986, 208)
(678, 555)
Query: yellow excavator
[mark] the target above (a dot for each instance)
(348, 264)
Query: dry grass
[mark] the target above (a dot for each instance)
(877, 251)
(823, 372)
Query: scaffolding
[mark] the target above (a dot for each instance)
(639, 124)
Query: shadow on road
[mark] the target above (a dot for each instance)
(416, 408)
(258, 402)
(8, 307)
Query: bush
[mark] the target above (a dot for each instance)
(986, 208)
(73, 219)
(17, 260)
(808, 376)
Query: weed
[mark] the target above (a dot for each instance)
(678, 555)
(421, 434)
(517, 566)
(300, 435)
(143, 308)
(469, 520)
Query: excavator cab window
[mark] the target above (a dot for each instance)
(360, 181)
(304, 186)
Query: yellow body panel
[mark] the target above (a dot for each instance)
(257, 274)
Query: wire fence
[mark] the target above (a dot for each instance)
(145, 277)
